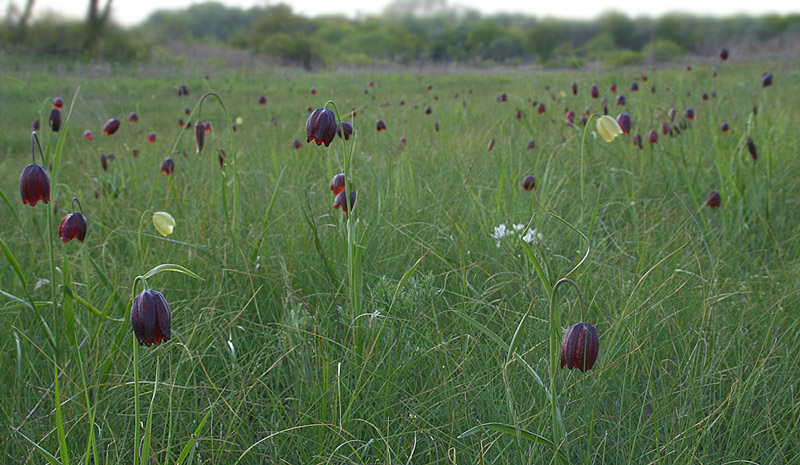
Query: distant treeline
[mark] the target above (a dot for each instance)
(414, 31)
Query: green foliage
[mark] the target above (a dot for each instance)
(543, 37)
(617, 58)
(662, 50)
(696, 308)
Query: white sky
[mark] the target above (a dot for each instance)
(128, 12)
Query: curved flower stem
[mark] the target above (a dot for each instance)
(583, 146)
(559, 432)
(353, 263)
(139, 255)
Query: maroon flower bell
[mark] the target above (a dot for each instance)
(321, 126)
(34, 185)
(690, 113)
(724, 127)
(624, 121)
(340, 202)
(531, 144)
(541, 108)
(58, 103)
(34, 182)
(348, 130)
(133, 117)
(35, 125)
(151, 318)
(574, 88)
(652, 136)
(620, 99)
(665, 128)
(529, 183)
(73, 226)
(381, 125)
(766, 80)
(262, 100)
(751, 147)
(54, 119)
(297, 144)
(88, 135)
(634, 87)
(199, 136)
(168, 166)
(723, 54)
(579, 347)
(111, 126)
(714, 200)
(637, 141)
(151, 137)
(595, 91)
(614, 88)
(337, 183)
(428, 110)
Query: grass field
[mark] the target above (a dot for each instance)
(382, 337)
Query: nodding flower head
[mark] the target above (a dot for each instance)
(624, 121)
(690, 113)
(608, 128)
(529, 183)
(766, 80)
(346, 130)
(151, 318)
(579, 347)
(73, 226)
(381, 125)
(111, 126)
(88, 135)
(58, 103)
(714, 200)
(164, 223)
(751, 147)
(34, 185)
(199, 136)
(321, 126)
(637, 141)
(54, 119)
(620, 99)
(723, 54)
(595, 91)
(340, 202)
(574, 88)
(133, 117)
(337, 183)
(168, 166)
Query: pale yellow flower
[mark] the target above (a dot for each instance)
(164, 223)
(608, 128)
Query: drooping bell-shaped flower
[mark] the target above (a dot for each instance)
(321, 126)
(608, 128)
(164, 223)
(73, 226)
(580, 347)
(151, 318)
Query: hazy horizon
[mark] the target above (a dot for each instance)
(131, 13)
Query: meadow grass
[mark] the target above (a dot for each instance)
(298, 348)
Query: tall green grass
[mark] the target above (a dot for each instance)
(384, 337)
